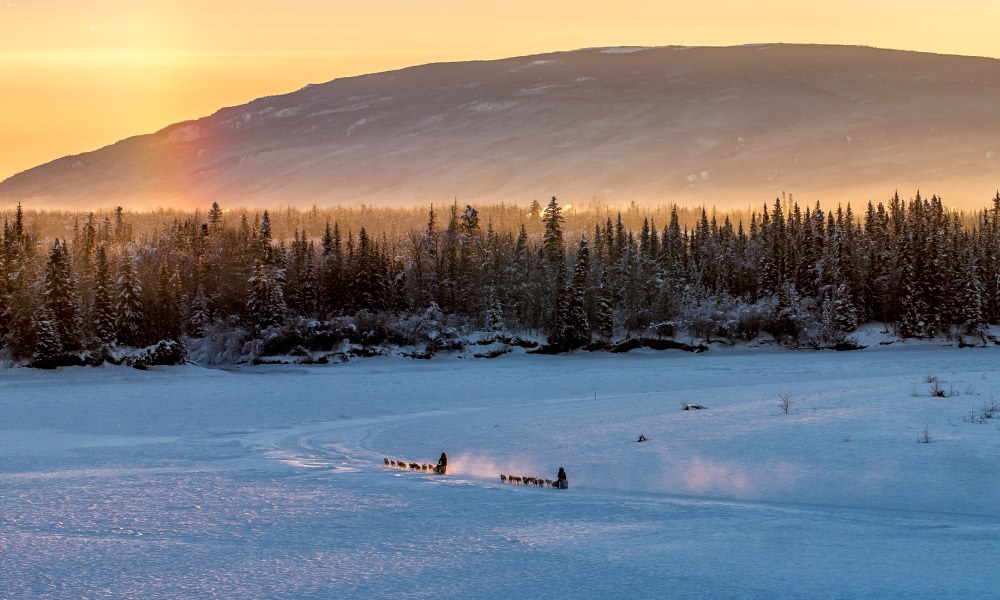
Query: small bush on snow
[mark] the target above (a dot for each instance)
(304, 334)
(223, 344)
(785, 401)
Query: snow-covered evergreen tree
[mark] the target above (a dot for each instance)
(603, 312)
(911, 321)
(790, 319)
(559, 311)
(839, 314)
(330, 296)
(265, 302)
(309, 283)
(470, 219)
(577, 332)
(103, 310)
(371, 286)
(129, 311)
(494, 315)
(62, 301)
(21, 302)
(49, 346)
(552, 240)
(201, 317)
(172, 301)
(970, 297)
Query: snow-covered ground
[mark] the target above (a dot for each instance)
(185, 482)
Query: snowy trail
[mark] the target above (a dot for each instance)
(269, 482)
(310, 447)
(686, 543)
(362, 443)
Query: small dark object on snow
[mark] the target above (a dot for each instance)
(692, 406)
(442, 467)
(561, 482)
(642, 438)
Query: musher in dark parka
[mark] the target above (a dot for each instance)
(561, 481)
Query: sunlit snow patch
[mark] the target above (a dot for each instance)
(623, 50)
(479, 107)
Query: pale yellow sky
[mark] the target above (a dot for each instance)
(76, 75)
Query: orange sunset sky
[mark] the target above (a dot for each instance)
(77, 75)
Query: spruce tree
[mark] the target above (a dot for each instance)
(603, 313)
(173, 306)
(201, 318)
(265, 302)
(494, 314)
(22, 302)
(552, 240)
(122, 229)
(470, 220)
(61, 298)
(331, 297)
(215, 218)
(535, 210)
(970, 297)
(577, 332)
(912, 310)
(103, 311)
(265, 251)
(48, 351)
(843, 315)
(129, 312)
(789, 318)
(309, 283)
(559, 312)
(371, 288)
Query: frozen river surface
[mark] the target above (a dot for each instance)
(269, 482)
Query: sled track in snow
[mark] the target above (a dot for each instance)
(309, 448)
(339, 446)
(342, 447)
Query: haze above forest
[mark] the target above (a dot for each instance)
(727, 127)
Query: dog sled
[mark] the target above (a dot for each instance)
(441, 468)
(559, 483)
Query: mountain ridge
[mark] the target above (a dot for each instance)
(724, 126)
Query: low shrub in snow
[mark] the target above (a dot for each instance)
(164, 352)
(222, 344)
(785, 401)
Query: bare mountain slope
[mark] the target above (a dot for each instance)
(724, 126)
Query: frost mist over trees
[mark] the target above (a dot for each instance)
(809, 276)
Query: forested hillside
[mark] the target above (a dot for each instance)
(808, 276)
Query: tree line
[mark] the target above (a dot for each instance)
(807, 276)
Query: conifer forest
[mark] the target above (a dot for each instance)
(78, 288)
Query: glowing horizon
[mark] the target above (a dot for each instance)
(80, 75)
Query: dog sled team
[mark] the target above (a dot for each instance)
(560, 483)
(441, 468)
